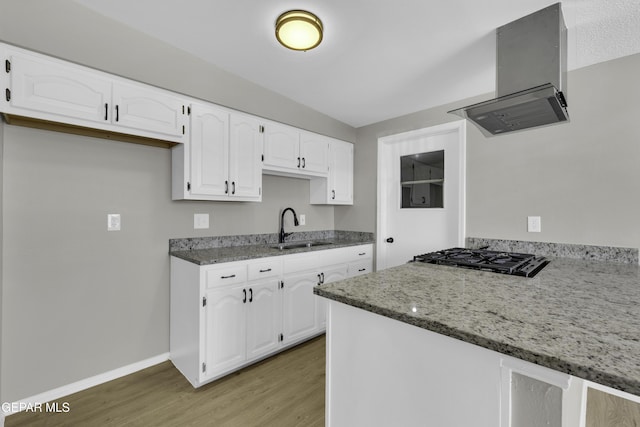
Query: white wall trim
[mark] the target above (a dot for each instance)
(77, 386)
(459, 126)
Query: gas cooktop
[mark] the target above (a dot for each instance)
(517, 264)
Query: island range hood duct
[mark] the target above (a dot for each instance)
(531, 70)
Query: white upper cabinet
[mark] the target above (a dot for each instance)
(149, 111)
(281, 147)
(45, 88)
(314, 152)
(292, 152)
(245, 157)
(49, 89)
(341, 173)
(338, 188)
(217, 153)
(222, 160)
(209, 153)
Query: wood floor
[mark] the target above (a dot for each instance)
(285, 390)
(607, 410)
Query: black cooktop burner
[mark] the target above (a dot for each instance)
(517, 264)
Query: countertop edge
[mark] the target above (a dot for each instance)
(263, 251)
(589, 373)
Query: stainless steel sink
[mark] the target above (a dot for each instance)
(295, 245)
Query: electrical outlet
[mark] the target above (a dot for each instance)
(534, 224)
(201, 220)
(303, 219)
(113, 222)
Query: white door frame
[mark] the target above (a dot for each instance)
(458, 127)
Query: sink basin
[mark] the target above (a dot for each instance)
(295, 245)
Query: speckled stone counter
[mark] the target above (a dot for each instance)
(211, 250)
(576, 316)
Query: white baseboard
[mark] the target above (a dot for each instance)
(77, 386)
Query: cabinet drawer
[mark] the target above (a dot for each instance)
(271, 267)
(360, 267)
(303, 262)
(361, 252)
(228, 275)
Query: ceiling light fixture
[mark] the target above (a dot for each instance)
(299, 30)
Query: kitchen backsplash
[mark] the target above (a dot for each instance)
(191, 243)
(561, 250)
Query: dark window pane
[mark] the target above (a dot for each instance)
(422, 180)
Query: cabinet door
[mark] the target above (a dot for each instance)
(264, 318)
(281, 146)
(330, 274)
(148, 111)
(341, 173)
(225, 330)
(209, 147)
(314, 152)
(245, 157)
(57, 91)
(299, 306)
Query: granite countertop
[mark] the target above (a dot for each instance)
(576, 316)
(215, 255)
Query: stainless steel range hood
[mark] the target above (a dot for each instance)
(531, 70)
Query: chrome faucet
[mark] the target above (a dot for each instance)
(283, 235)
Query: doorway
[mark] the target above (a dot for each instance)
(421, 192)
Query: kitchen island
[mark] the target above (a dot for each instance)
(426, 342)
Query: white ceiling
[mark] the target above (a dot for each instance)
(379, 58)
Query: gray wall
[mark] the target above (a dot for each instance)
(77, 300)
(581, 177)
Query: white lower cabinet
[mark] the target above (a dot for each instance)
(242, 324)
(299, 306)
(330, 274)
(305, 314)
(225, 330)
(263, 318)
(229, 315)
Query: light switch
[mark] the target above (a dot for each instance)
(534, 224)
(303, 219)
(200, 220)
(113, 222)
